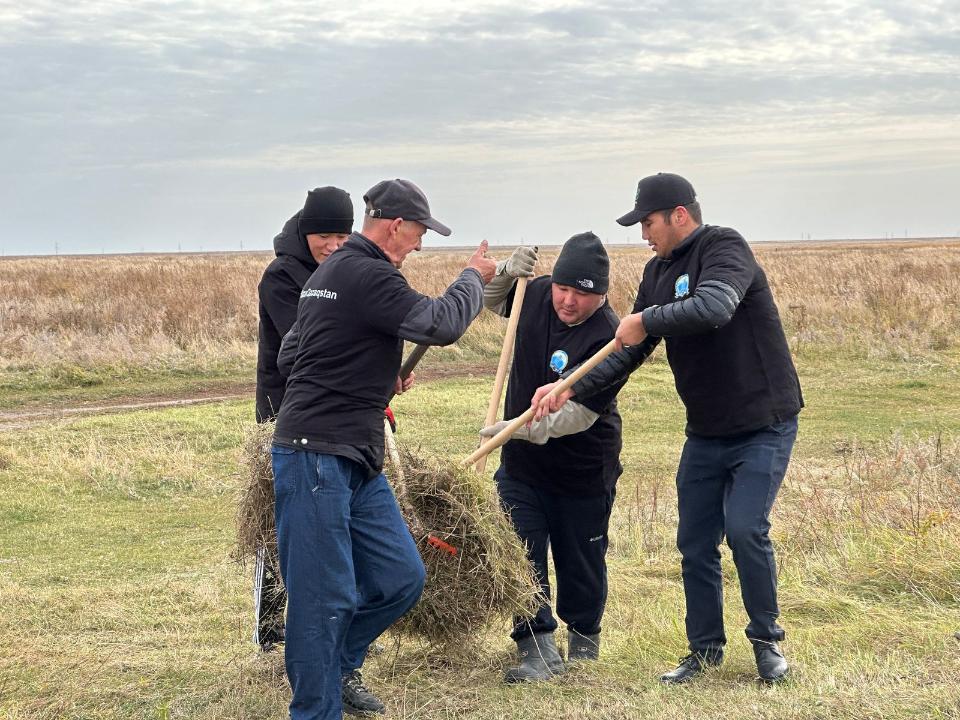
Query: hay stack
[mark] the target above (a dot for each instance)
(255, 521)
(488, 579)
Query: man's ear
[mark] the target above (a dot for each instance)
(395, 225)
(682, 215)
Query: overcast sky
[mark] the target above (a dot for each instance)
(128, 126)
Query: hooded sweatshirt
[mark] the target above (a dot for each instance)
(279, 292)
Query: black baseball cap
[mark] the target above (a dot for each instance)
(401, 199)
(663, 191)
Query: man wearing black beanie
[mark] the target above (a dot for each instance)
(557, 477)
(307, 239)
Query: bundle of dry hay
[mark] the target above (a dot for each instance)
(477, 569)
(255, 521)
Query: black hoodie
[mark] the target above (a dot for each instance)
(279, 292)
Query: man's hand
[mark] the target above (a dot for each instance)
(543, 405)
(483, 265)
(630, 331)
(521, 262)
(403, 385)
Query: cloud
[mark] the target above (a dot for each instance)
(147, 89)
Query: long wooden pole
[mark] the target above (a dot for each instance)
(506, 353)
(501, 437)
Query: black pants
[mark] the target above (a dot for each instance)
(727, 487)
(575, 530)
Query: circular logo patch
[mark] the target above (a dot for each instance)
(558, 361)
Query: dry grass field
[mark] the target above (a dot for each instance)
(73, 320)
(120, 599)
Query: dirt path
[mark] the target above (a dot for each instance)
(40, 414)
(13, 421)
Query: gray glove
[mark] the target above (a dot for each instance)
(571, 418)
(519, 264)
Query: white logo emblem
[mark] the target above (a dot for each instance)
(324, 293)
(682, 286)
(586, 282)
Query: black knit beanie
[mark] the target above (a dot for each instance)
(327, 210)
(583, 264)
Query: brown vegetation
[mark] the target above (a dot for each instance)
(192, 311)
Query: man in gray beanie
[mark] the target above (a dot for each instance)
(557, 477)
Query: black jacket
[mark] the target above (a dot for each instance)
(279, 292)
(354, 314)
(584, 463)
(711, 302)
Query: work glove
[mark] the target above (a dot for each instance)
(388, 414)
(521, 262)
(571, 418)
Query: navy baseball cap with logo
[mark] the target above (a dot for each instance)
(663, 191)
(401, 199)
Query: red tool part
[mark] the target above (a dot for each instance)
(441, 545)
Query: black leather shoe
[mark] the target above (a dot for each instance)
(771, 665)
(693, 666)
(356, 698)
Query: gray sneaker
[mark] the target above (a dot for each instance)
(356, 698)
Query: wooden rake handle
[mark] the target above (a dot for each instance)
(501, 437)
(506, 353)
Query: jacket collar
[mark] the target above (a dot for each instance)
(687, 243)
(358, 242)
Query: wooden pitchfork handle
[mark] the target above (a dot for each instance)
(501, 437)
(506, 353)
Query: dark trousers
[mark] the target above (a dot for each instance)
(727, 487)
(575, 530)
(350, 566)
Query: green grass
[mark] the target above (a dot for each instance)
(120, 601)
(23, 389)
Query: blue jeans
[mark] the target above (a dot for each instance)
(350, 567)
(727, 487)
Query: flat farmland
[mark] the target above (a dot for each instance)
(120, 599)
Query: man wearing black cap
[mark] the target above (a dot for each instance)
(707, 297)
(307, 239)
(557, 477)
(348, 561)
